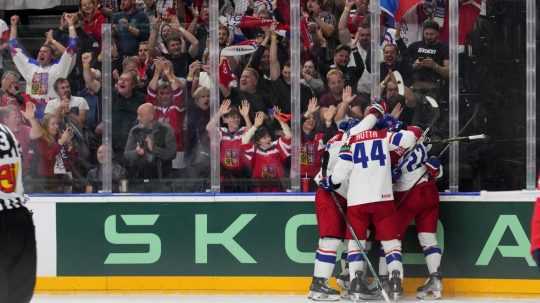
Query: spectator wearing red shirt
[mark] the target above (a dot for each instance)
(266, 157)
(168, 100)
(231, 152)
(92, 18)
(9, 115)
(312, 147)
(351, 18)
(54, 154)
(143, 61)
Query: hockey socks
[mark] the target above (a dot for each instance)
(392, 254)
(432, 252)
(343, 262)
(383, 268)
(325, 258)
(355, 258)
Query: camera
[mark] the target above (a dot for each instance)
(141, 142)
(74, 110)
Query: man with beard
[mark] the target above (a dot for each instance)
(180, 58)
(248, 90)
(352, 71)
(391, 63)
(429, 59)
(77, 105)
(41, 73)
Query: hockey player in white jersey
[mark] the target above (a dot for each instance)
(365, 162)
(417, 198)
(17, 235)
(330, 223)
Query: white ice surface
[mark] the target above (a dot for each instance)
(119, 298)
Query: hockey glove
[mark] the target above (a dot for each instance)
(390, 123)
(348, 124)
(327, 185)
(396, 174)
(378, 108)
(433, 165)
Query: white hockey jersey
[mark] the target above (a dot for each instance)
(412, 169)
(333, 147)
(11, 186)
(365, 161)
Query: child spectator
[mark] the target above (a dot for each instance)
(232, 154)
(267, 158)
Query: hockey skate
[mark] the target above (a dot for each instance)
(432, 288)
(385, 282)
(395, 290)
(344, 286)
(320, 291)
(359, 289)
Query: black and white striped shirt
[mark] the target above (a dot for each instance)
(11, 187)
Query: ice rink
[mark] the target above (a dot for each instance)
(119, 298)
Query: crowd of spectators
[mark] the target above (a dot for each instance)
(160, 77)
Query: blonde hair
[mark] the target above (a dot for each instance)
(45, 127)
(201, 91)
(334, 72)
(253, 71)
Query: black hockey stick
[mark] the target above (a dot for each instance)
(351, 230)
(448, 142)
(460, 139)
(435, 114)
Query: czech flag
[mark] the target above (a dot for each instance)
(226, 77)
(398, 8)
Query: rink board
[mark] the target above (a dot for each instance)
(261, 243)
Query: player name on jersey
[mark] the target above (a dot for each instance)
(367, 135)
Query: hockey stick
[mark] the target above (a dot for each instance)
(421, 139)
(461, 139)
(448, 142)
(435, 116)
(353, 233)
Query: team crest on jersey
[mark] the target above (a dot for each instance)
(8, 177)
(345, 148)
